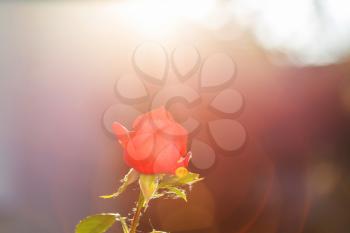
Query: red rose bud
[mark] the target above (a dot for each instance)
(157, 144)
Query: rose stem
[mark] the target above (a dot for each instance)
(137, 215)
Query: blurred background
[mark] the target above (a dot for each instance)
(59, 62)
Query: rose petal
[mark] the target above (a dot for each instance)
(141, 146)
(175, 129)
(159, 118)
(154, 121)
(166, 161)
(157, 144)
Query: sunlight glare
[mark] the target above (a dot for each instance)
(161, 17)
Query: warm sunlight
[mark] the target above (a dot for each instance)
(156, 18)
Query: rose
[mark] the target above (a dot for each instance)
(157, 144)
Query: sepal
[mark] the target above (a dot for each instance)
(188, 179)
(176, 192)
(128, 179)
(148, 185)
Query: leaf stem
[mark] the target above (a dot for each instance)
(137, 215)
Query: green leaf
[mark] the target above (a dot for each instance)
(188, 179)
(128, 179)
(99, 223)
(148, 186)
(180, 193)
